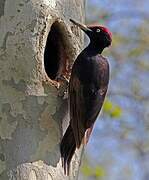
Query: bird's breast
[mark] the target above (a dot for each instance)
(92, 70)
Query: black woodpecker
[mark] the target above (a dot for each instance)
(87, 90)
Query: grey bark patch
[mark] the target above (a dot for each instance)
(60, 114)
(53, 157)
(2, 4)
(2, 157)
(5, 39)
(4, 175)
(22, 151)
(6, 108)
(21, 4)
(33, 109)
(20, 86)
(27, 1)
(32, 25)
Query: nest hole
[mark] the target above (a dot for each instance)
(55, 55)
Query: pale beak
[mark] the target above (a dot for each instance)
(81, 26)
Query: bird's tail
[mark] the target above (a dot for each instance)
(67, 149)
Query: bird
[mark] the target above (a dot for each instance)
(87, 89)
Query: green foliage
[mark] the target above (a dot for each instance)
(96, 172)
(87, 170)
(113, 110)
(142, 65)
(135, 52)
(99, 171)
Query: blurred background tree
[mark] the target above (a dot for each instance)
(119, 146)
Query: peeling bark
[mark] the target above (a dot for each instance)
(33, 107)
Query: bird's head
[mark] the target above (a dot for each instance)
(99, 36)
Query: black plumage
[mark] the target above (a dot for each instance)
(87, 89)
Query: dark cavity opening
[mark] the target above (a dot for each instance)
(55, 55)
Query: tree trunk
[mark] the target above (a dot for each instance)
(38, 44)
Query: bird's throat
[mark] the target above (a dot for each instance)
(93, 49)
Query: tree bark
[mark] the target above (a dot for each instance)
(33, 103)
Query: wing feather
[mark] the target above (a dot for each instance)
(86, 100)
(76, 109)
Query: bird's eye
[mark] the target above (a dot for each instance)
(98, 30)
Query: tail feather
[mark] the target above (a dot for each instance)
(67, 149)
